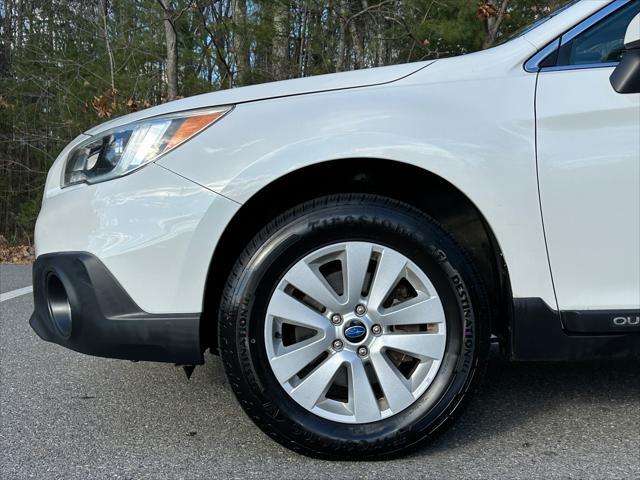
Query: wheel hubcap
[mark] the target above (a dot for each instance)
(355, 332)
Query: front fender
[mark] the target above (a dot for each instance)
(483, 144)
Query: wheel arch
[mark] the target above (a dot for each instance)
(405, 182)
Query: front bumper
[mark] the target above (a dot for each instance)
(81, 306)
(154, 231)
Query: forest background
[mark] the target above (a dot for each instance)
(66, 65)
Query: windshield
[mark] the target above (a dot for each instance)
(527, 28)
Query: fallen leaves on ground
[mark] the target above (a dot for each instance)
(16, 254)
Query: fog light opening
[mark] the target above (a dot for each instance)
(59, 306)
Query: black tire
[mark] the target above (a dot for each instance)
(321, 222)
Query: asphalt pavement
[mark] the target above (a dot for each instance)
(67, 415)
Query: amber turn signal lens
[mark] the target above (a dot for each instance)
(190, 126)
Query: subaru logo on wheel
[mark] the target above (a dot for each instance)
(355, 332)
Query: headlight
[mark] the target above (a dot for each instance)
(124, 149)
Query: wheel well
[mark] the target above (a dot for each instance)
(410, 184)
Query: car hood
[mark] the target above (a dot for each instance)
(298, 86)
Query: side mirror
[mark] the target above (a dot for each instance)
(626, 77)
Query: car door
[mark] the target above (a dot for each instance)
(588, 154)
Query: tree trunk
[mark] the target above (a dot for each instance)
(172, 49)
(341, 51)
(280, 46)
(492, 17)
(105, 11)
(357, 38)
(5, 47)
(302, 43)
(240, 42)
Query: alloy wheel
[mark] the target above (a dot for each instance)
(355, 332)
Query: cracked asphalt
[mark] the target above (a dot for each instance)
(67, 415)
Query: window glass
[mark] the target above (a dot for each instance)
(603, 42)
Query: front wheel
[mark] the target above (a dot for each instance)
(353, 326)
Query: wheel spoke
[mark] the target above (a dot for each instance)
(297, 356)
(293, 311)
(393, 385)
(358, 257)
(424, 311)
(306, 280)
(316, 384)
(390, 268)
(425, 346)
(364, 404)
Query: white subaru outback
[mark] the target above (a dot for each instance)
(351, 244)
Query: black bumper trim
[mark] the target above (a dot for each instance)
(538, 334)
(106, 322)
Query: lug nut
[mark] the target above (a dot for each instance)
(376, 329)
(361, 309)
(336, 319)
(337, 344)
(363, 351)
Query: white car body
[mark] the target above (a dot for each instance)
(559, 192)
